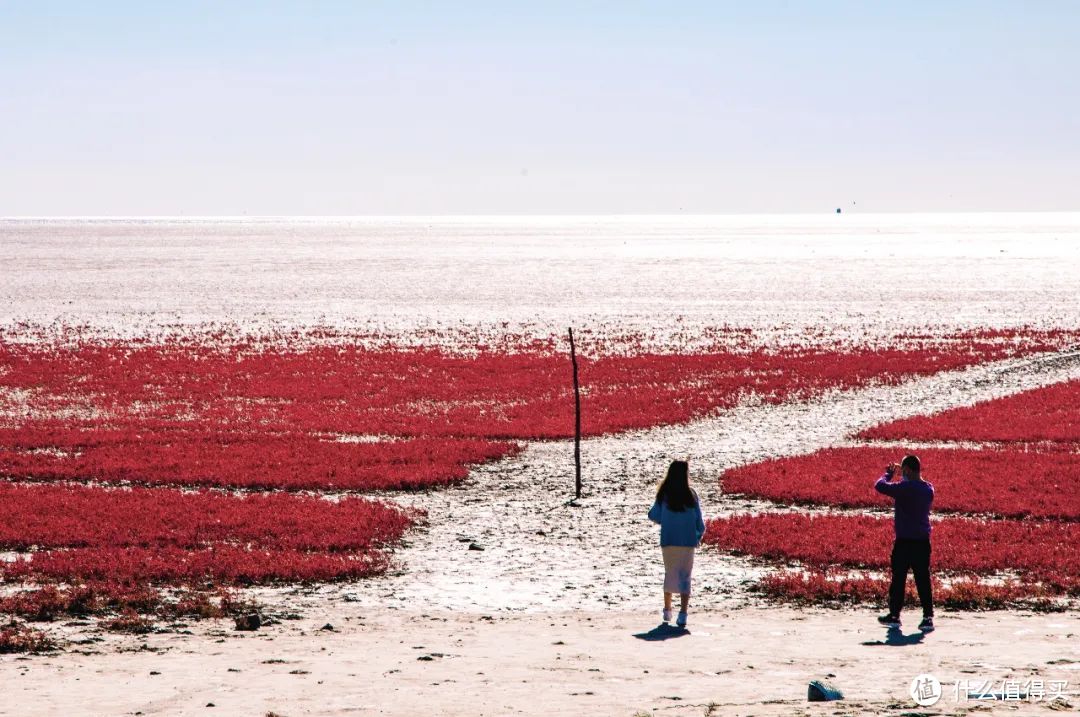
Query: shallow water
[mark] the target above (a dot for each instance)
(664, 276)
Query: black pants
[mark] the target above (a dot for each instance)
(913, 555)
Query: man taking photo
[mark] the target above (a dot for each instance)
(912, 497)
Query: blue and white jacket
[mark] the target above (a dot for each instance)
(678, 527)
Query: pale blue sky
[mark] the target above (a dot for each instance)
(117, 108)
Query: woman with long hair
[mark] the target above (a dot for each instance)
(678, 511)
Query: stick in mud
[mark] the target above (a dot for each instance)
(577, 420)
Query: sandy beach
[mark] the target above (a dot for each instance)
(394, 660)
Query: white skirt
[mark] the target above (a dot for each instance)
(678, 564)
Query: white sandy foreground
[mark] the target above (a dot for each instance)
(753, 660)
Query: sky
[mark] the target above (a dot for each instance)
(472, 107)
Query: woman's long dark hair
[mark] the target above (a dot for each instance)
(675, 491)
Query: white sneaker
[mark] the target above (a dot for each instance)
(681, 620)
(666, 614)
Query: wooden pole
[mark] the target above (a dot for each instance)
(577, 420)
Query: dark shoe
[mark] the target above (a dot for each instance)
(889, 620)
(927, 624)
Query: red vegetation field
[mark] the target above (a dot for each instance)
(1030, 470)
(1041, 551)
(100, 598)
(78, 533)
(19, 638)
(321, 412)
(126, 551)
(997, 482)
(50, 450)
(820, 586)
(268, 415)
(1045, 415)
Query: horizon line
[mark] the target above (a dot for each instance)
(508, 215)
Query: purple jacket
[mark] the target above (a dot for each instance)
(913, 500)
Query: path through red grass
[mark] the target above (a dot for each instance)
(322, 413)
(1029, 468)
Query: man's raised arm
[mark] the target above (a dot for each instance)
(885, 485)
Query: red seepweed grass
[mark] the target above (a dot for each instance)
(998, 482)
(246, 414)
(127, 536)
(1039, 552)
(297, 414)
(1048, 415)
